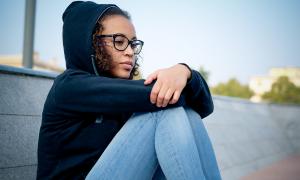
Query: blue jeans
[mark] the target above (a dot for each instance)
(168, 144)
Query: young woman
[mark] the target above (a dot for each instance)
(98, 123)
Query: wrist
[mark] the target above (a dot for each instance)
(189, 70)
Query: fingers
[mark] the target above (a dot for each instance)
(168, 86)
(168, 97)
(154, 92)
(161, 96)
(151, 78)
(175, 97)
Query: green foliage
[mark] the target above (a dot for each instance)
(205, 74)
(283, 91)
(232, 88)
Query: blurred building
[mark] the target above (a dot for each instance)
(261, 84)
(38, 64)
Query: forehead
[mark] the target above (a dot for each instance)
(118, 24)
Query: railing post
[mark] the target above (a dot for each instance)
(28, 38)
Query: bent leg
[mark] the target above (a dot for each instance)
(131, 154)
(176, 136)
(175, 146)
(204, 146)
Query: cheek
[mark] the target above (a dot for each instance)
(115, 58)
(113, 55)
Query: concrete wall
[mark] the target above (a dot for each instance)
(245, 136)
(21, 104)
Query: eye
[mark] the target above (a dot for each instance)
(119, 42)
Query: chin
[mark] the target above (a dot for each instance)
(124, 75)
(121, 73)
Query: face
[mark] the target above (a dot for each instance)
(122, 61)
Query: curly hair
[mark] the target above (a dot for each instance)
(103, 59)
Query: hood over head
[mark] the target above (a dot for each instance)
(79, 20)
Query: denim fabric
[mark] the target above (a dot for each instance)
(167, 144)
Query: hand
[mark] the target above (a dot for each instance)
(169, 84)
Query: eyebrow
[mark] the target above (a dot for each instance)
(108, 35)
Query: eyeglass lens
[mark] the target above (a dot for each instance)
(121, 43)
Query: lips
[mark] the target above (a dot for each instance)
(127, 62)
(127, 65)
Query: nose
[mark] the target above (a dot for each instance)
(129, 51)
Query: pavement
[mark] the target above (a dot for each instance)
(286, 169)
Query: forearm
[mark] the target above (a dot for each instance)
(86, 93)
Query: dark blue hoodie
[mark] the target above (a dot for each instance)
(83, 111)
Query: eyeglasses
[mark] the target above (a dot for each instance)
(121, 42)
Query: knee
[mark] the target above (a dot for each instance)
(170, 115)
(179, 112)
(142, 119)
(173, 122)
(192, 113)
(175, 111)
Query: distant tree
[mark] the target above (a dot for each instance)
(205, 74)
(232, 88)
(283, 91)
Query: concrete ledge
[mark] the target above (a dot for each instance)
(26, 71)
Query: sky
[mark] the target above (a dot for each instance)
(232, 38)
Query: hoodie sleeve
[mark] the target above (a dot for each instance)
(78, 91)
(198, 96)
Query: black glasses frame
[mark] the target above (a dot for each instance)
(132, 43)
